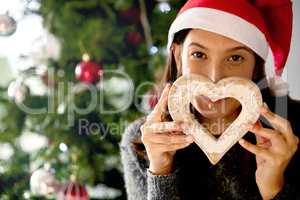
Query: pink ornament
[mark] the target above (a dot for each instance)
(153, 100)
(72, 191)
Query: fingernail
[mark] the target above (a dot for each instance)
(183, 126)
(242, 141)
(264, 108)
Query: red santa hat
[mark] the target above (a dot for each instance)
(259, 24)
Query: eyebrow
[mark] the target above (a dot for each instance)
(230, 49)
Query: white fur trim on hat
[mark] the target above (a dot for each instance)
(223, 23)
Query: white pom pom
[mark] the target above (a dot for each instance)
(278, 86)
(42, 182)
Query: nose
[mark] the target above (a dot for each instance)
(215, 72)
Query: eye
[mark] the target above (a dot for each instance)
(198, 55)
(236, 58)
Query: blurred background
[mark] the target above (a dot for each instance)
(74, 74)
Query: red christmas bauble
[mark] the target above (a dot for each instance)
(72, 191)
(88, 71)
(134, 38)
(131, 15)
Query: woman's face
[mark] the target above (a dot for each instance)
(215, 57)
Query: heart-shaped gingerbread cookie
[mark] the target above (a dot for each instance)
(187, 87)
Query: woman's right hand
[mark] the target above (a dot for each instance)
(162, 139)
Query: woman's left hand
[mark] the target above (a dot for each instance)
(273, 150)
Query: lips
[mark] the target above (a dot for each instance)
(208, 100)
(205, 104)
(201, 103)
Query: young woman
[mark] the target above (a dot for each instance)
(218, 40)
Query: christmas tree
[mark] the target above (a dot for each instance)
(66, 137)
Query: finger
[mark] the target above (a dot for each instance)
(160, 127)
(259, 139)
(161, 107)
(258, 151)
(169, 138)
(171, 147)
(279, 123)
(259, 130)
(176, 132)
(263, 142)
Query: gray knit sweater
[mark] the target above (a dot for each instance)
(195, 178)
